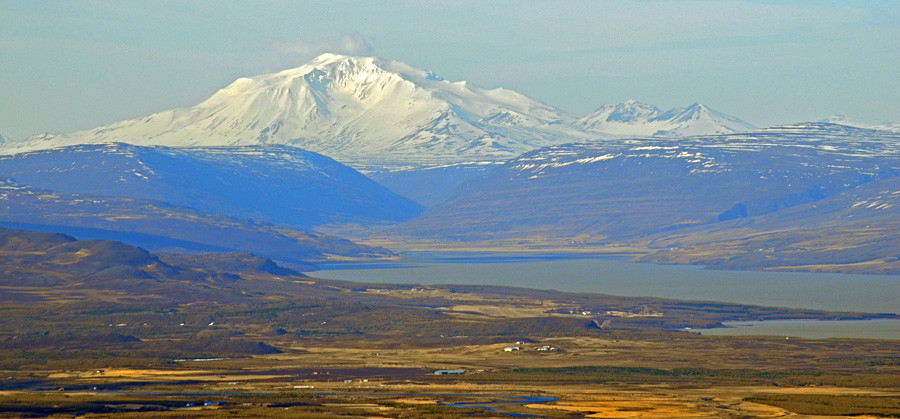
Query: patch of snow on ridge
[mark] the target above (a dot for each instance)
(596, 159)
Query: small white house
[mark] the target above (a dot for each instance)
(449, 372)
(511, 348)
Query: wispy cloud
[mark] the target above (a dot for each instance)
(349, 44)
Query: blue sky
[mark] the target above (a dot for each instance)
(71, 65)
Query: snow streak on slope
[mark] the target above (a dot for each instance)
(633, 118)
(358, 110)
(626, 190)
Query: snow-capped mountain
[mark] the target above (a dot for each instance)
(881, 125)
(630, 112)
(358, 110)
(633, 118)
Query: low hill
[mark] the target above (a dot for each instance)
(34, 264)
(161, 226)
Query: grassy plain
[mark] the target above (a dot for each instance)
(97, 329)
(248, 364)
(386, 379)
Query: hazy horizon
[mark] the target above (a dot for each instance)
(74, 66)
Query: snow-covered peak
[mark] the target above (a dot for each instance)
(633, 118)
(625, 112)
(359, 110)
(693, 112)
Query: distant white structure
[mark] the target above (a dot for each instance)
(449, 372)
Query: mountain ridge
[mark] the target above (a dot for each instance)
(278, 184)
(633, 118)
(351, 108)
(160, 226)
(374, 113)
(880, 125)
(701, 196)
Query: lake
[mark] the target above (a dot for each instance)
(811, 329)
(617, 276)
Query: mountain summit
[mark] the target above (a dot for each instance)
(372, 113)
(633, 118)
(359, 110)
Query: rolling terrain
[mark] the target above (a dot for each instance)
(260, 199)
(881, 125)
(687, 185)
(853, 232)
(99, 327)
(161, 226)
(164, 265)
(278, 184)
(793, 185)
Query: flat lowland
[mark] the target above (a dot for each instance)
(100, 329)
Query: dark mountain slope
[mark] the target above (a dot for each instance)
(856, 231)
(160, 226)
(647, 192)
(278, 184)
(38, 263)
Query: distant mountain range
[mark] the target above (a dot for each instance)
(261, 199)
(359, 110)
(883, 126)
(636, 119)
(160, 226)
(372, 113)
(732, 196)
(687, 185)
(278, 184)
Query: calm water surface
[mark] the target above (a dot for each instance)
(834, 292)
(811, 329)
